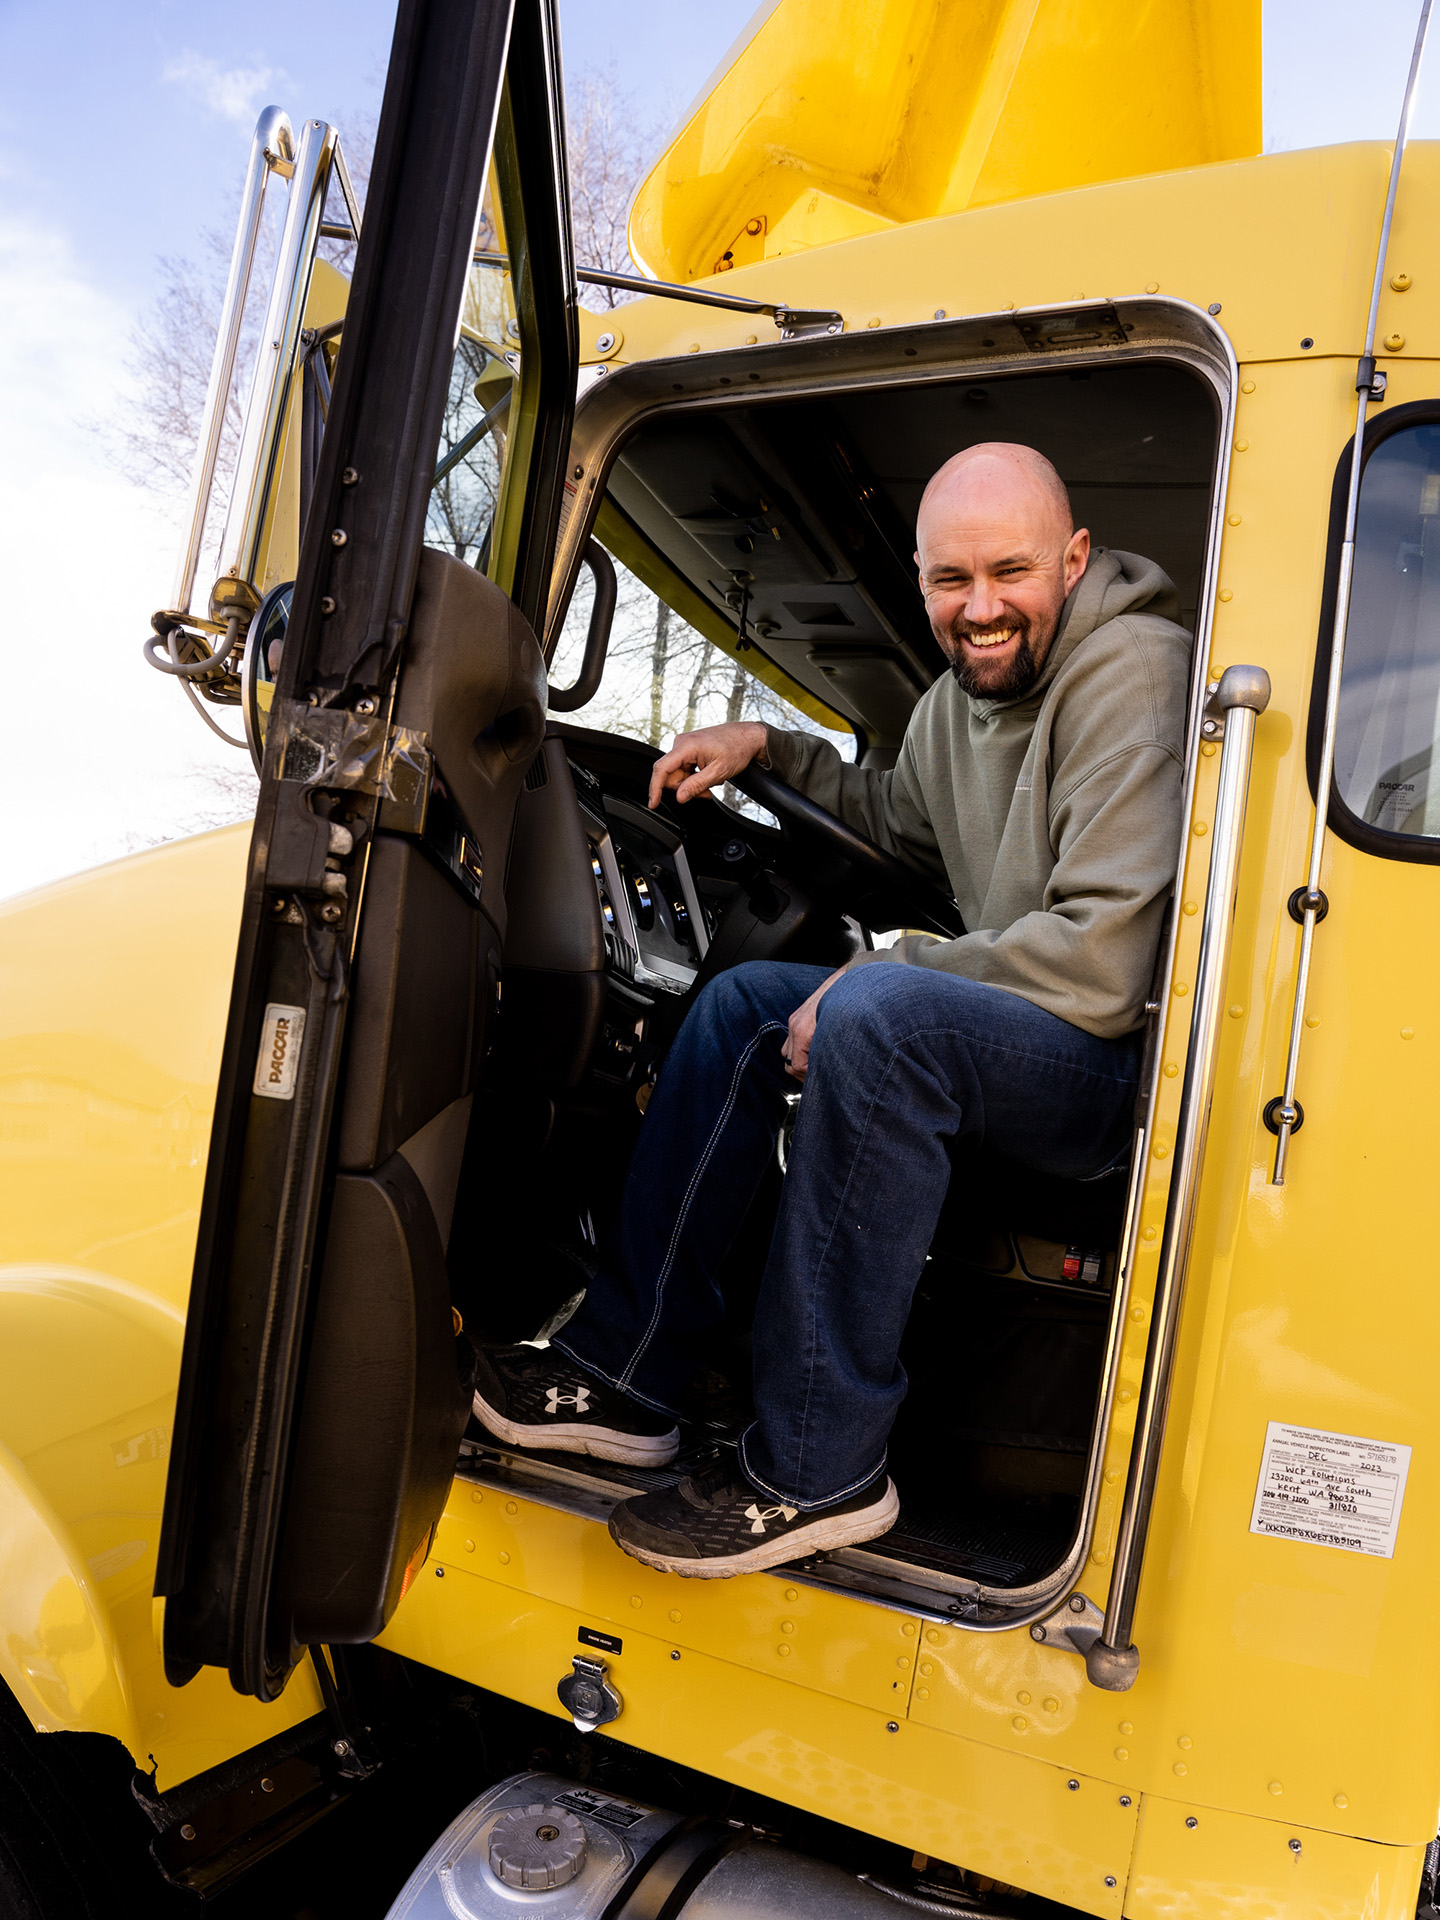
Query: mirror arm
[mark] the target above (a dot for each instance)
(597, 637)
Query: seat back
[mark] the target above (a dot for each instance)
(555, 941)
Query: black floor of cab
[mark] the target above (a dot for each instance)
(989, 1449)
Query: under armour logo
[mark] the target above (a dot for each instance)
(554, 1399)
(757, 1516)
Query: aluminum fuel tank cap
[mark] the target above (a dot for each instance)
(537, 1847)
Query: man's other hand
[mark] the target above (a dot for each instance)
(707, 758)
(796, 1050)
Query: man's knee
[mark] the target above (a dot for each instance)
(747, 997)
(884, 1002)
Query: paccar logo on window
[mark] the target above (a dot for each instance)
(280, 1035)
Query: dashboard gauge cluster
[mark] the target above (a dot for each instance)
(656, 933)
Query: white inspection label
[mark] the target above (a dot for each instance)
(279, 1055)
(1331, 1488)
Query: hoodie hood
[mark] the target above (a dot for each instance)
(1113, 583)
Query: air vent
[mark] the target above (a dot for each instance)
(538, 775)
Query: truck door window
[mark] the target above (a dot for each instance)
(1387, 769)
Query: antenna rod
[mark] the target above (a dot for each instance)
(1284, 1115)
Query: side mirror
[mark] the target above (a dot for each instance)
(597, 637)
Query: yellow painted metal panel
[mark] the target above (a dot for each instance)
(1250, 1870)
(113, 991)
(1265, 1662)
(831, 1642)
(1285, 245)
(1008, 1816)
(831, 122)
(58, 1655)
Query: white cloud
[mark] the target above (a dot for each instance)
(102, 754)
(233, 93)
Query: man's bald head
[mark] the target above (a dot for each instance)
(998, 555)
(1000, 470)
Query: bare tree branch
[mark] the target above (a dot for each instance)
(610, 152)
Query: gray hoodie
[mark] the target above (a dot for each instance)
(1054, 819)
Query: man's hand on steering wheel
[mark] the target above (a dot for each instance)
(707, 758)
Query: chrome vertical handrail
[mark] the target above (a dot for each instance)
(1284, 1114)
(1112, 1661)
(272, 150)
(347, 191)
(276, 353)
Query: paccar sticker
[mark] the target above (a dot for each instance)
(1332, 1489)
(280, 1035)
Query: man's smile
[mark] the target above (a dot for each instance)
(1001, 637)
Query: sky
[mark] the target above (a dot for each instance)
(124, 133)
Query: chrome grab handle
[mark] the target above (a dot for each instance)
(276, 354)
(1112, 1661)
(271, 151)
(1309, 905)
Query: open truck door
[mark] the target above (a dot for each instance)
(324, 1390)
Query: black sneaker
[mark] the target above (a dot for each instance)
(715, 1524)
(539, 1397)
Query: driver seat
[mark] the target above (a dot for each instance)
(1007, 1220)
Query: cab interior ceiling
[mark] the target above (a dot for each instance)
(815, 499)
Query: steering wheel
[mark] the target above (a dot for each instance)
(877, 888)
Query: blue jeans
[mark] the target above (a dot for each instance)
(905, 1062)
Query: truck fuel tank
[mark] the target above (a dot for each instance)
(541, 1844)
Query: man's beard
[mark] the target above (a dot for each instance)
(1018, 675)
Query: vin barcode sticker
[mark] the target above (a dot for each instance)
(280, 1035)
(1331, 1488)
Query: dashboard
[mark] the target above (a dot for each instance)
(681, 892)
(656, 932)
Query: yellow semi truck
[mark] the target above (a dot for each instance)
(286, 1105)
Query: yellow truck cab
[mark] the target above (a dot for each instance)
(293, 1112)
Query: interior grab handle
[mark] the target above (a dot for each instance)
(1243, 693)
(597, 635)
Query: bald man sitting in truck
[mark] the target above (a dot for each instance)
(1041, 779)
